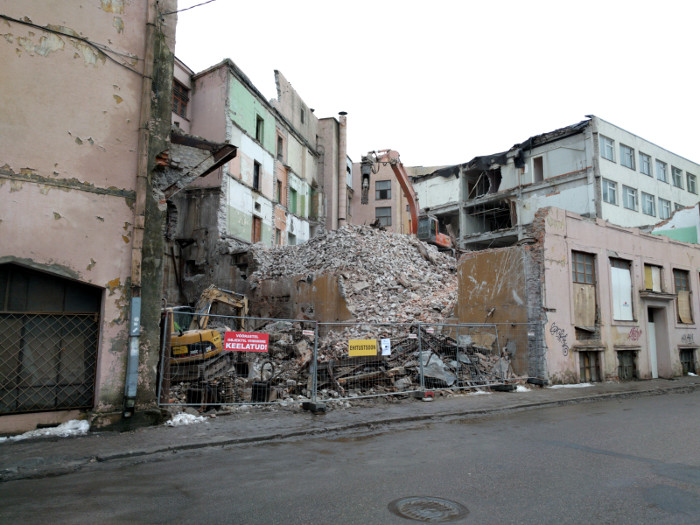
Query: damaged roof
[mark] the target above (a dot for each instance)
(486, 162)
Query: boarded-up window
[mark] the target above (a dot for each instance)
(583, 275)
(621, 284)
(652, 277)
(681, 281)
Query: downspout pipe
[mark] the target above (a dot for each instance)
(132, 363)
(342, 169)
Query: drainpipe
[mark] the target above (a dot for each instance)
(132, 363)
(342, 170)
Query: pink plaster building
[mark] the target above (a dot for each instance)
(594, 301)
(80, 220)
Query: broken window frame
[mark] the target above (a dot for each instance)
(382, 190)
(383, 216)
(664, 208)
(607, 147)
(280, 148)
(589, 366)
(627, 157)
(621, 288)
(684, 309)
(687, 359)
(651, 284)
(645, 164)
(648, 204)
(292, 202)
(256, 233)
(610, 191)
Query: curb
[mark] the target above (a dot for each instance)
(77, 464)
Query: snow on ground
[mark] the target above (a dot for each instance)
(575, 385)
(67, 429)
(522, 388)
(691, 374)
(181, 419)
(479, 393)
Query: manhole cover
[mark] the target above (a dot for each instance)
(428, 509)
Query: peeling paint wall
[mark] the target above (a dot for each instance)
(565, 232)
(68, 165)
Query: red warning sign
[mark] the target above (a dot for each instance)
(245, 342)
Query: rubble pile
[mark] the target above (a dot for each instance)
(385, 277)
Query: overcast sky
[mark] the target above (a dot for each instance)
(445, 81)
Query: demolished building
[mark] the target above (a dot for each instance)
(592, 168)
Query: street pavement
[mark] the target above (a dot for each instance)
(42, 457)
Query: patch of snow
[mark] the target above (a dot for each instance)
(522, 388)
(182, 418)
(70, 428)
(692, 375)
(574, 385)
(479, 393)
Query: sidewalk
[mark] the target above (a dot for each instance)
(54, 456)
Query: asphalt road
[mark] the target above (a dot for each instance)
(630, 461)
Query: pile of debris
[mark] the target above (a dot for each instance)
(385, 277)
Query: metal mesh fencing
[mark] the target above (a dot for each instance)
(365, 360)
(229, 360)
(47, 361)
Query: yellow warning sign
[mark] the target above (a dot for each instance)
(358, 347)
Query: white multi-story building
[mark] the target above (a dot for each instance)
(593, 168)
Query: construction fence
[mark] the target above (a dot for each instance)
(243, 360)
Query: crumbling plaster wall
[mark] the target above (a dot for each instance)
(566, 232)
(70, 131)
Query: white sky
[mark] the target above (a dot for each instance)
(445, 81)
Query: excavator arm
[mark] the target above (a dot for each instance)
(214, 295)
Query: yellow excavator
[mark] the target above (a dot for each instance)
(197, 342)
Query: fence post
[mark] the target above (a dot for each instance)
(314, 366)
(164, 356)
(420, 358)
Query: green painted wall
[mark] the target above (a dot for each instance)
(243, 110)
(240, 224)
(689, 234)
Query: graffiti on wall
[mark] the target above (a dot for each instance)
(561, 336)
(635, 334)
(688, 339)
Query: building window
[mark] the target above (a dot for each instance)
(677, 206)
(589, 367)
(692, 183)
(259, 128)
(677, 177)
(644, 163)
(661, 171)
(383, 215)
(627, 156)
(629, 198)
(279, 191)
(280, 148)
(293, 200)
(607, 148)
(682, 283)
(664, 208)
(278, 237)
(181, 96)
(382, 190)
(648, 204)
(256, 175)
(302, 115)
(609, 191)
(583, 276)
(626, 365)
(538, 169)
(257, 230)
(291, 239)
(652, 278)
(621, 284)
(687, 356)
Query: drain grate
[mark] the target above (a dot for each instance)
(428, 509)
